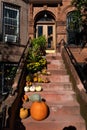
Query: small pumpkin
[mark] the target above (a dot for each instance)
(46, 80)
(35, 79)
(32, 88)
(38, 88)
(39, 80)
(25, 98)
(39, 110)
(23, 113)
(44, 71)
(28, 83)
(26, 89)
(35, 97)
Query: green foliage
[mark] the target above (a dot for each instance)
(39, 45)
(81, 6)
(34, 67)
(35, 62)
(40, 41)
(79, 3)
(75, 22)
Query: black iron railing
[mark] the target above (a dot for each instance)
(7, 83)
(78, 67)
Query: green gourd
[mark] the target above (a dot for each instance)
(35, 97)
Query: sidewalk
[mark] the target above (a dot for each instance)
(61, 99)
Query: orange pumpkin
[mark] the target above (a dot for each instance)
(23, 113)
(25, 98)
(39, 110)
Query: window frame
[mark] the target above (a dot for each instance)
(8, 36)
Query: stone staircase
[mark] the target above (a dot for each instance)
(61, 99)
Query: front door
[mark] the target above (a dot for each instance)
(49, 32)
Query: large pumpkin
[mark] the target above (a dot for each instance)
(39, 110)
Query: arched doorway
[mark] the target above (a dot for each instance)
(45, 25)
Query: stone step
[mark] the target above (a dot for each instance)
(50, 57)
(53, 56)
(56, 62)
(50, 67)
(59, 71)
(70, 107)
(59, 78)
(57, 86)
(56, 97)
(56, 78)
(55, 121)
(54, 126)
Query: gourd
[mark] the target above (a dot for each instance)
(39, 110)
(26, 89)
(39, 80)
(28, 83)
(35, 97)
(35, 79)
(38, 88)
(25, 98)
(23, 113)
(32, 88)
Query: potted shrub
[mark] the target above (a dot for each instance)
(39, 44)
(35, 60)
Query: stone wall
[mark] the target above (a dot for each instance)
(77, 84)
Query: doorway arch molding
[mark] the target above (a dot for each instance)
(41, 13)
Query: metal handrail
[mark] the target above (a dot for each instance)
(76, 65)
(18, 64)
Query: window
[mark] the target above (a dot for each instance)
(73, 21)
(7, 75)
(10, 23)
(73, 28)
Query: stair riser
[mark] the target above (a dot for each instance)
(57, 72)
(59, 78)
(57, 97)
(55, 67)
(59, 109)
(55, 87)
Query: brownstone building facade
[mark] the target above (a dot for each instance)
(32, 18)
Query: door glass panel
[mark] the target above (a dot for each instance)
(40, 30)
(49, 32)
(50, 36)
